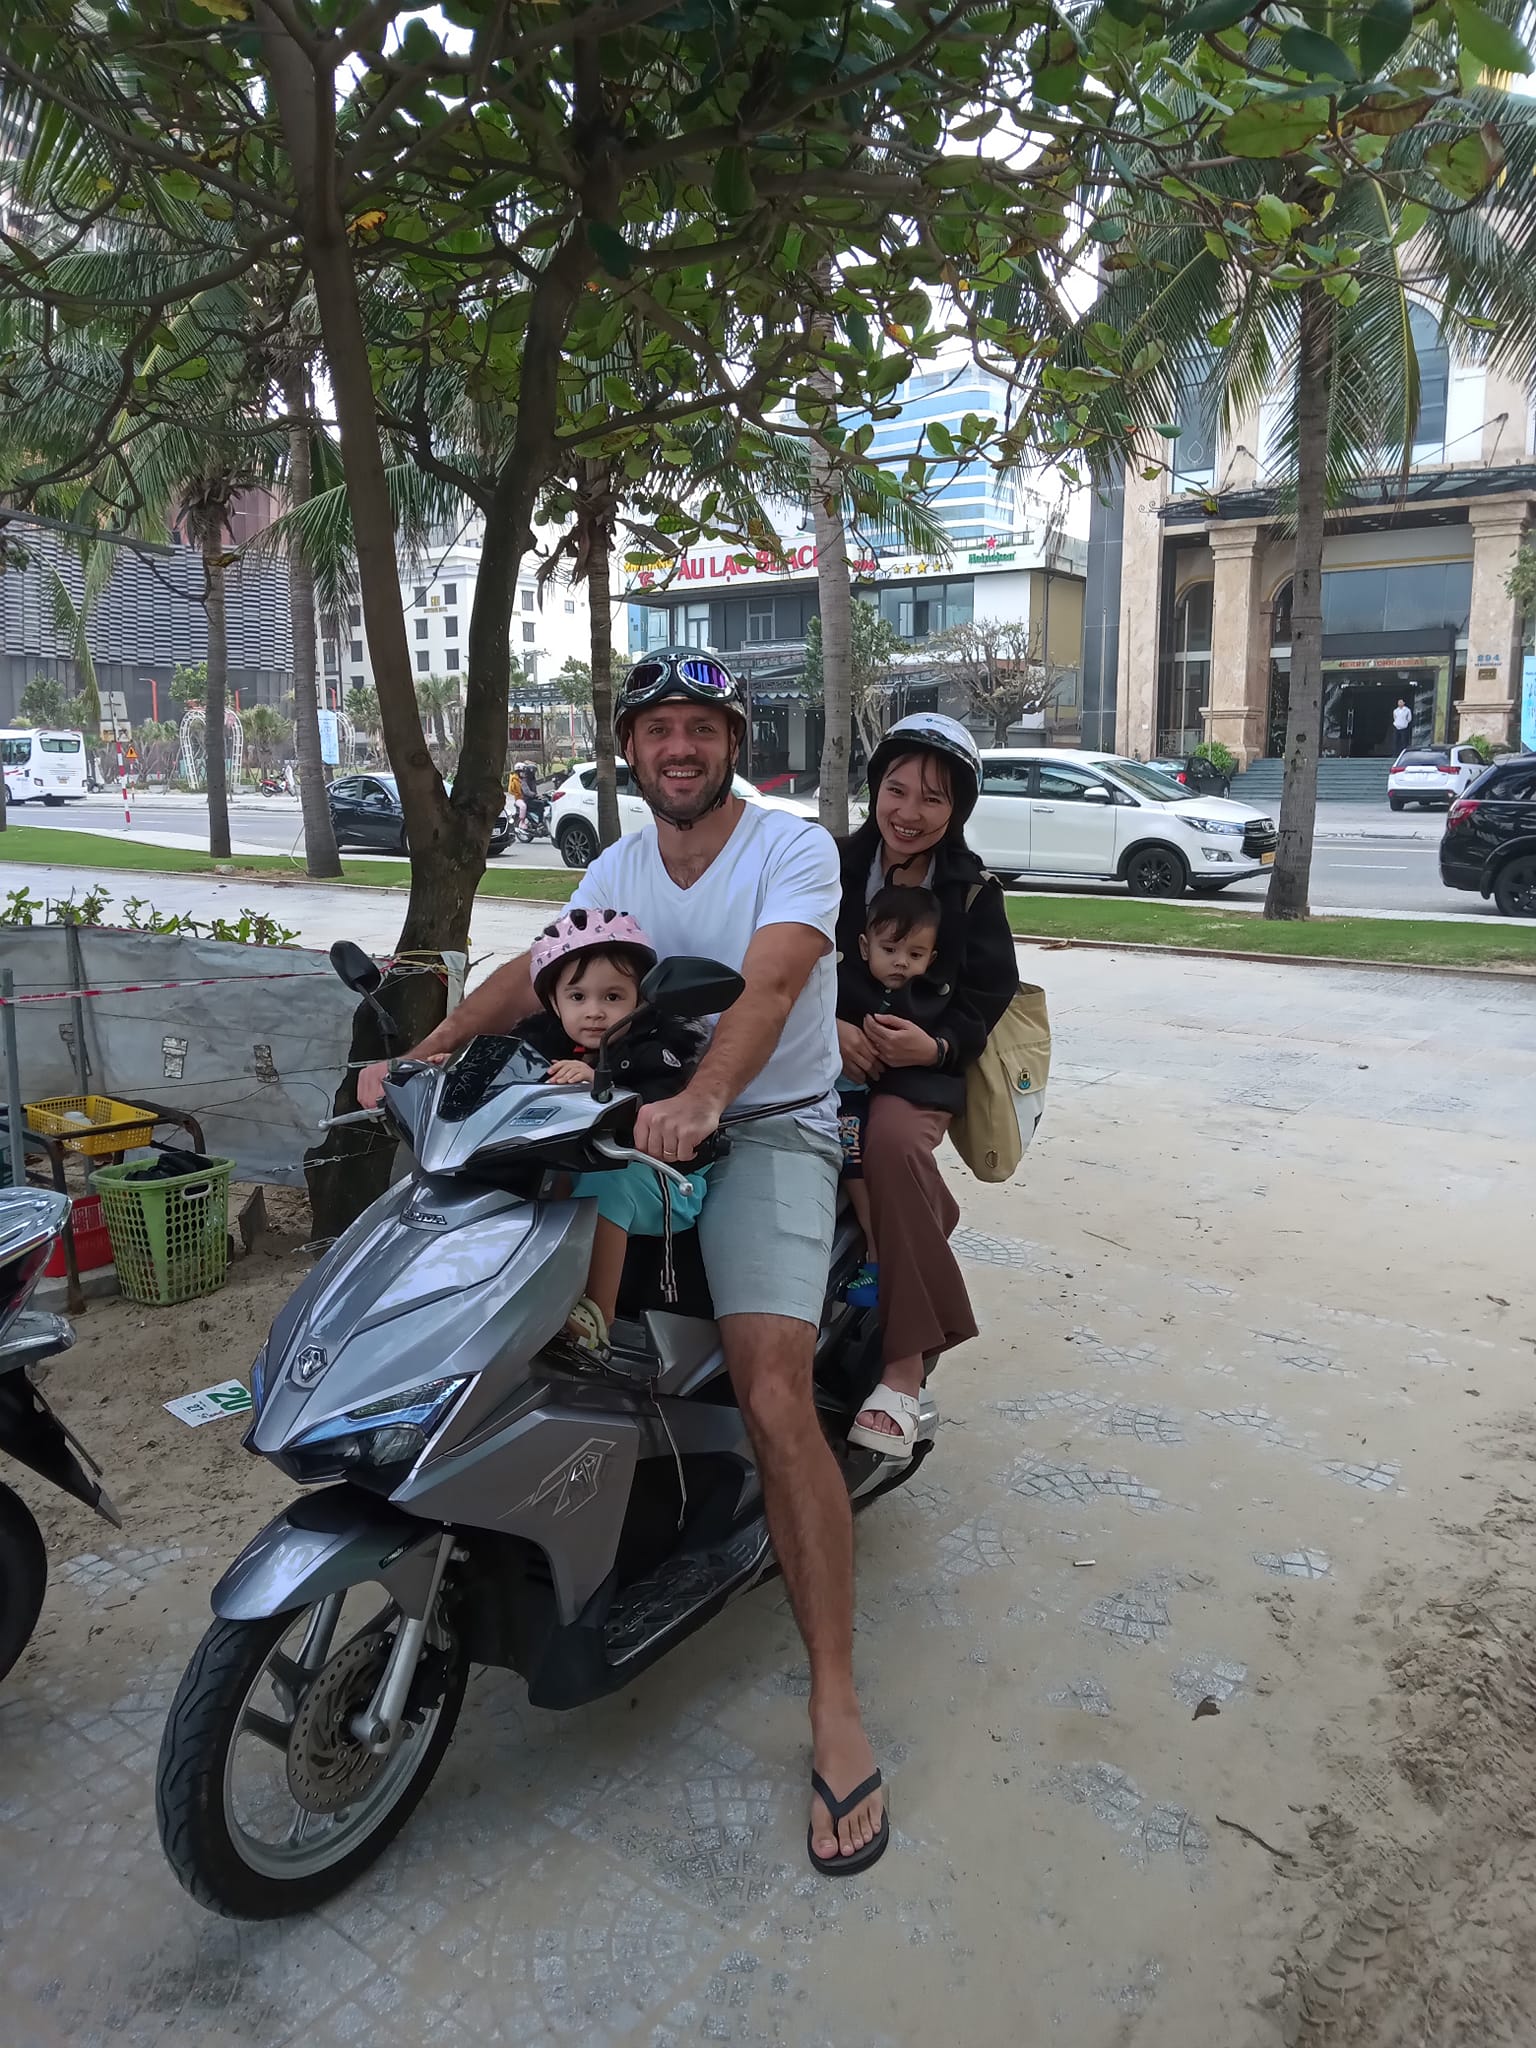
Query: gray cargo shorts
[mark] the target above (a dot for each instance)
(766, 1226)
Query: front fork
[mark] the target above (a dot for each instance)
(377, 1726)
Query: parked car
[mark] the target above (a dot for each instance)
(1432, 775)
(365, 811)
(1047, 811)
(1490, 837)
(1198, 776)
(575, 810)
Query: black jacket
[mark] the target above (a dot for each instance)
(655, 1057)
(974, 977)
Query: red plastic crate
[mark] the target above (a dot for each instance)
(93, 1242)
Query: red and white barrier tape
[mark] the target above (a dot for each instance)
(136, 988)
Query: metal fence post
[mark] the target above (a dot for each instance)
(16, 1144)
(77, 1008)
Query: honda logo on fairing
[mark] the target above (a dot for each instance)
(309, 1365)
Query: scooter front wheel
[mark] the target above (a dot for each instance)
(23, 1577)
(267, 1803)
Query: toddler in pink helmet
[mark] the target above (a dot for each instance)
(586, 968)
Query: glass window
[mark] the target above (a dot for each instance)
(1355, 601)
(421, 628)
(528, 631)
(16, 753)
(959, 602)
(357, 650)
(1005, 778)
(424, 659)
(62, 746)
(658, 626)
(421, 593)
(893, 597)
(1196, 415)
(1063, 785)
(453, 662)
(450, 629)
(1150, 782)
(620, 777)
(450, 593)
(570, 604)
(357, 679)
(355, 615)
(760, 618)
(330, 653)
(696, 626)
(1187, 684)
(1192, 621)
(527, 598)
(1434, 380)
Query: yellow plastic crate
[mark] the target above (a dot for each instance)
(58, 1116)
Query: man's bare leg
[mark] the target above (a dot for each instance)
(811, 1523)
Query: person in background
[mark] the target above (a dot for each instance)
(1402, 724)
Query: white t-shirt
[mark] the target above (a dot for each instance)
(1402, 717)
(774, 869)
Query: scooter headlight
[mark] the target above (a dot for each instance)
(390, 1432)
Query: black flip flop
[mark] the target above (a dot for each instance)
(847, 1866)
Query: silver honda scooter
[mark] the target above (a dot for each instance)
(486, 1492)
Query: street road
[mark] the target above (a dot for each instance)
(1365, 858)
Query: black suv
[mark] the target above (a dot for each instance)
(1490, 837)
(365, 811)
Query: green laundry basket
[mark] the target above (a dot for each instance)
(170, 1238)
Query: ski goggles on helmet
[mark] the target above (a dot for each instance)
(695, 677)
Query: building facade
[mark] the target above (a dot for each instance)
(756, 611)
(549, 627)
(148, 622)
(1187, 634)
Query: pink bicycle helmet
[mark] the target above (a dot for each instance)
(582, 931)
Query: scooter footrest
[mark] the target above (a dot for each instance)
(678, 1585)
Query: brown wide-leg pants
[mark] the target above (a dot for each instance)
(923, 1303)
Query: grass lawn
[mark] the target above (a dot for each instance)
(1447, 942)
(1435, 942)
(39, 845)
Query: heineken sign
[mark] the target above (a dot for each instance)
(989, 558)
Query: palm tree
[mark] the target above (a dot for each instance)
(1334, 328)
(320, 856)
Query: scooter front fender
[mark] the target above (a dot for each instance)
(324, 1543)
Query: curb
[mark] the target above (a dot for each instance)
(1278, 959)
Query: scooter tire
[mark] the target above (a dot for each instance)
(23, 1577)
(189, 1780)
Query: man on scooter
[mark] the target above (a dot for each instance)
(758, 890)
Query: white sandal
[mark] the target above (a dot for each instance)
(902, 1409)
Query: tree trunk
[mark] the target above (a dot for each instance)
(1288, 885)
(212, 537)
(320, 855)
(600, 623)
(1001, 721)
(834, 601)
(444, 871)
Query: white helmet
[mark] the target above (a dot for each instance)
(930, 732)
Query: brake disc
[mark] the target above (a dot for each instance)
(328, 1768)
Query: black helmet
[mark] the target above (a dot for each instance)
(679, 672)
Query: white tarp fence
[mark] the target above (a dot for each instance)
(256, 1059)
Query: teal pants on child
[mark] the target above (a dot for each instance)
(631, 1198)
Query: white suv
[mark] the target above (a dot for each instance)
(573, 810)
(1046, 811)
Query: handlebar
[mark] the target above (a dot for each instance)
(626, 1155)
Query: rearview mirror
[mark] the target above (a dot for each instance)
(1097, 796)
(354, 967)
(689, 987)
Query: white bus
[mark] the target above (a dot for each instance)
(45, 767)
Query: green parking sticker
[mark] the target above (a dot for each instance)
(228, 1398)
